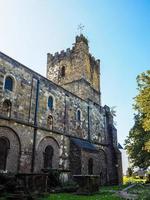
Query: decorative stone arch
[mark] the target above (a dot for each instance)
(40, 152)
(50, 122)
(6, 107)
(48, 156)
(14, 151)
(13, 81)
(63, 71)
(79, 115)
(53, 102)
(103, 167)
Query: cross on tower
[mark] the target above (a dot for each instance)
(80, 28)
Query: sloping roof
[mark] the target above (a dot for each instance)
(85, 145)
(119, 146)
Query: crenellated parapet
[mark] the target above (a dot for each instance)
(67, 68)
(80, 41)
(81, 38)
(94, 63)
(59, 55)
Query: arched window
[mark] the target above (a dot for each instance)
(48, 156)
(78, 115)
(50, 102)
(63, 71)
(50, 122)
(4, 146)
(6, 109)
(90, 166)
(8, 83)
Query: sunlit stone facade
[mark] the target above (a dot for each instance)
(58, 121)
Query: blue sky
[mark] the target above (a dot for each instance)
(118, 32)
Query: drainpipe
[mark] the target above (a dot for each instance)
(89, 136)
(35, 127)
(30, 100)
(65, 115)
(64, 132)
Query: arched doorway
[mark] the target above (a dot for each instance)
(10, 149)
(4, 147)
(6, 108)
(48, 156)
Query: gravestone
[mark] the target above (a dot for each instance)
(88, 184)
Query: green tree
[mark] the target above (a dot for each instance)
(142, 100)
(135, 145)
(138, 141)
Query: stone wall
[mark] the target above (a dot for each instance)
(79, 159)
(82, 70)
(75, 159)
(14, 148)
(21, 142)
(85, 156)
(66, 104)
(83, 89)
(28, 111)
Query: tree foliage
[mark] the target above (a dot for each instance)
(135, 145)
(138, 141)
(142, 100)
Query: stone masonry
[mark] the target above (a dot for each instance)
(30, 125)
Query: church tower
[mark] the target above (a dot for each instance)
(76, 70)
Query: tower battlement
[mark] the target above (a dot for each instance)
(81, 38)
(70, 66)
(63, 54)
(59, 55)
(94, 62)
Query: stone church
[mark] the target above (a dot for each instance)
(57, 121)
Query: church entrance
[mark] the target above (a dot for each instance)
(4, 147)
(48, 156)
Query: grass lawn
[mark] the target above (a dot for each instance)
(64, 196)
(143, 191)
(105, 193)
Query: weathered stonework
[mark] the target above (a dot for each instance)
(25, 122)
(82, 71)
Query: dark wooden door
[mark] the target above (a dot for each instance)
(48, 156)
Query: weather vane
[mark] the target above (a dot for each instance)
(80, 28)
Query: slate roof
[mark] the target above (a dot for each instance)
(83, 144)
(119, 146)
